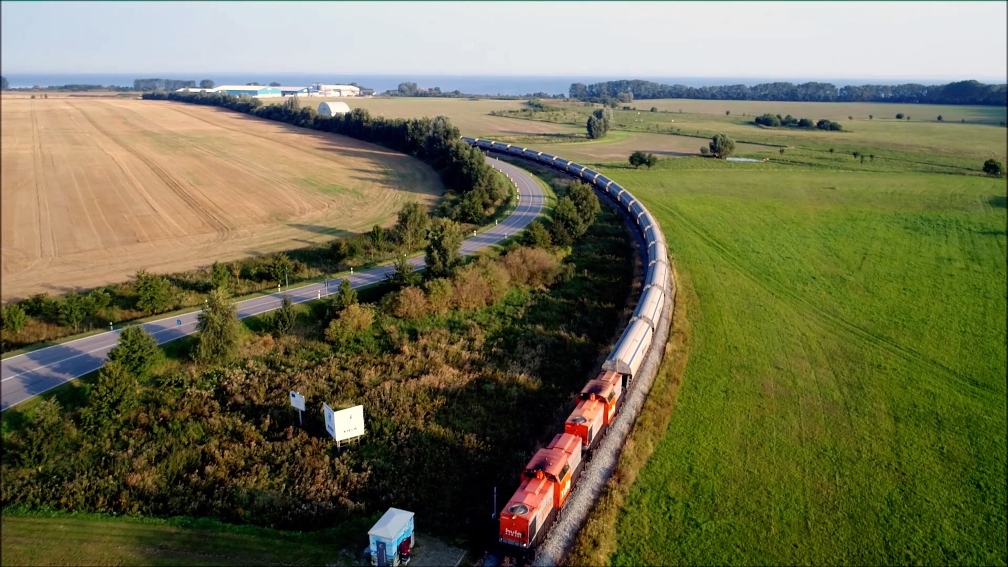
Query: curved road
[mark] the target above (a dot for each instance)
(27, 375)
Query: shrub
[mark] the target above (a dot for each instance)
(280, 268)
(993, 167)
(768, 120)
(586, 202)
(704, 151)
(13, 318)
(345, 297)
(41, 305)
(281, 321)
(439, 295)
(472, 291)
(567, 224)
(410, 303)
(350, 325)
(654, 109)
(535, 234)
(531, 266)
(497, 278)
(154, 293)
(639, 158)
(219, 275)
(825, 124)
(114, 394)
(805, 123)
(939, 118)
(73, 310)
(899, 116)
(43, 437)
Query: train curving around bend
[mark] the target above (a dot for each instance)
(551, 475)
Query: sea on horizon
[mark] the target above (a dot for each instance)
(481, 85)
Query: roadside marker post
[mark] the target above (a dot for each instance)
(297, 400)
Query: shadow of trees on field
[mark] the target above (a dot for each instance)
(998, 201)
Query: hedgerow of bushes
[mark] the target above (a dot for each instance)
(777, 121)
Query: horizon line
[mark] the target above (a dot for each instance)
(148, 74)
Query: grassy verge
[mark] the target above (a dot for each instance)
(596, 542)
(54, 538)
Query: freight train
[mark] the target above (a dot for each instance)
(551, 475)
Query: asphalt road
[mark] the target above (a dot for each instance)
(27, 375)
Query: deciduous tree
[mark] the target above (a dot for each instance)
(153, 292)
(721, 146)
(137, 351)
(412, 224)
(442, 252)
(217, 329)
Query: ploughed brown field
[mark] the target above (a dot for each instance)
(94, 189)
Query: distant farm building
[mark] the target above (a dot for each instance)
(250, 90)
(316, 89)
(333, 108)
(293, 91)
(321, 89)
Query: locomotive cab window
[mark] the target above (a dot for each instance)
(563, 473)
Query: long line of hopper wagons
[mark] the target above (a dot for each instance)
(552, 473)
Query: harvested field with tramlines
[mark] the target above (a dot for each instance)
(96, 189)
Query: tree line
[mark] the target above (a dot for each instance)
(165, 84)
(410, 89)
(961, 92)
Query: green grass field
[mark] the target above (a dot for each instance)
(64, 539)
(844, 400)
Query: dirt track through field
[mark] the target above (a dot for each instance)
(96, 189)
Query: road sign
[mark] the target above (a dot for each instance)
(178, 322)
(297, 400)
(330, 425)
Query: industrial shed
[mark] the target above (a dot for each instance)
(293, 91)
(333, 108)
(250, 90)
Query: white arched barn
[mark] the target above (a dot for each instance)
(333, 108)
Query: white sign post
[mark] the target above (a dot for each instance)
(297, 400)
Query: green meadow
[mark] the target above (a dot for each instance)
(844, 400)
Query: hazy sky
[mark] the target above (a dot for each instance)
(923, 40)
